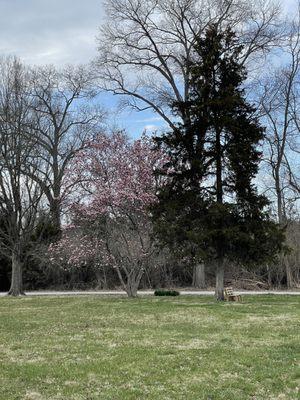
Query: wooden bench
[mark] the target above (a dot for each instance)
(230, 296)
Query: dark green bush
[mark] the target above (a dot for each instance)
(166, 293)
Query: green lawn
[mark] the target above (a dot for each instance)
(149, 348)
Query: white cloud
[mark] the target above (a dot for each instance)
(55, 31)
(151, 119)
(50, 31)
(150, 128)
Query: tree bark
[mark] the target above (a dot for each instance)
(131, 290)
(199, 276)
(16, 287)
(55, 211)
(269, 277)
(219, 292)
(133, 282)
(290, 283)
(133, 279)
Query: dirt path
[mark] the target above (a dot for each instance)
(150, 292)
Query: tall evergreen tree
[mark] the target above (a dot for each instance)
(209, 205)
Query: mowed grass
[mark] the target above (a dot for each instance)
(149, 348)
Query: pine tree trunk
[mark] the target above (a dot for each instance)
(16, 287)
(219, 292)
(199, 276)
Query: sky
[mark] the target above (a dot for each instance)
(50, 31)
(61, 32)
(55, 31)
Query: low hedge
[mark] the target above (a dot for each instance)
(166, 293)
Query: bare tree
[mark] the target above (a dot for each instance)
(278, 100)
(65, 122)
(19, 195)
(145, 47)
(280, 97)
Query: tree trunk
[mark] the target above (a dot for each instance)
(132, 285)
(16, 287)
(199, 276)
(219, 292)
(133, 282)
(133, 279)
(289, 275)
(269, 277)
(131, 290)
(55, 212)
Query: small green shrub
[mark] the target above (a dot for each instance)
(166, 293)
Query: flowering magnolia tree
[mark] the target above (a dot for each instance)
(110, 207)
(76, 249)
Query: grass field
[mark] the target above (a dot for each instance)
(150, 348)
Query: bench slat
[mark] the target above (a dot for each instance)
(228, 293)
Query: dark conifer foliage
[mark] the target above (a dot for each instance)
(209, 205)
